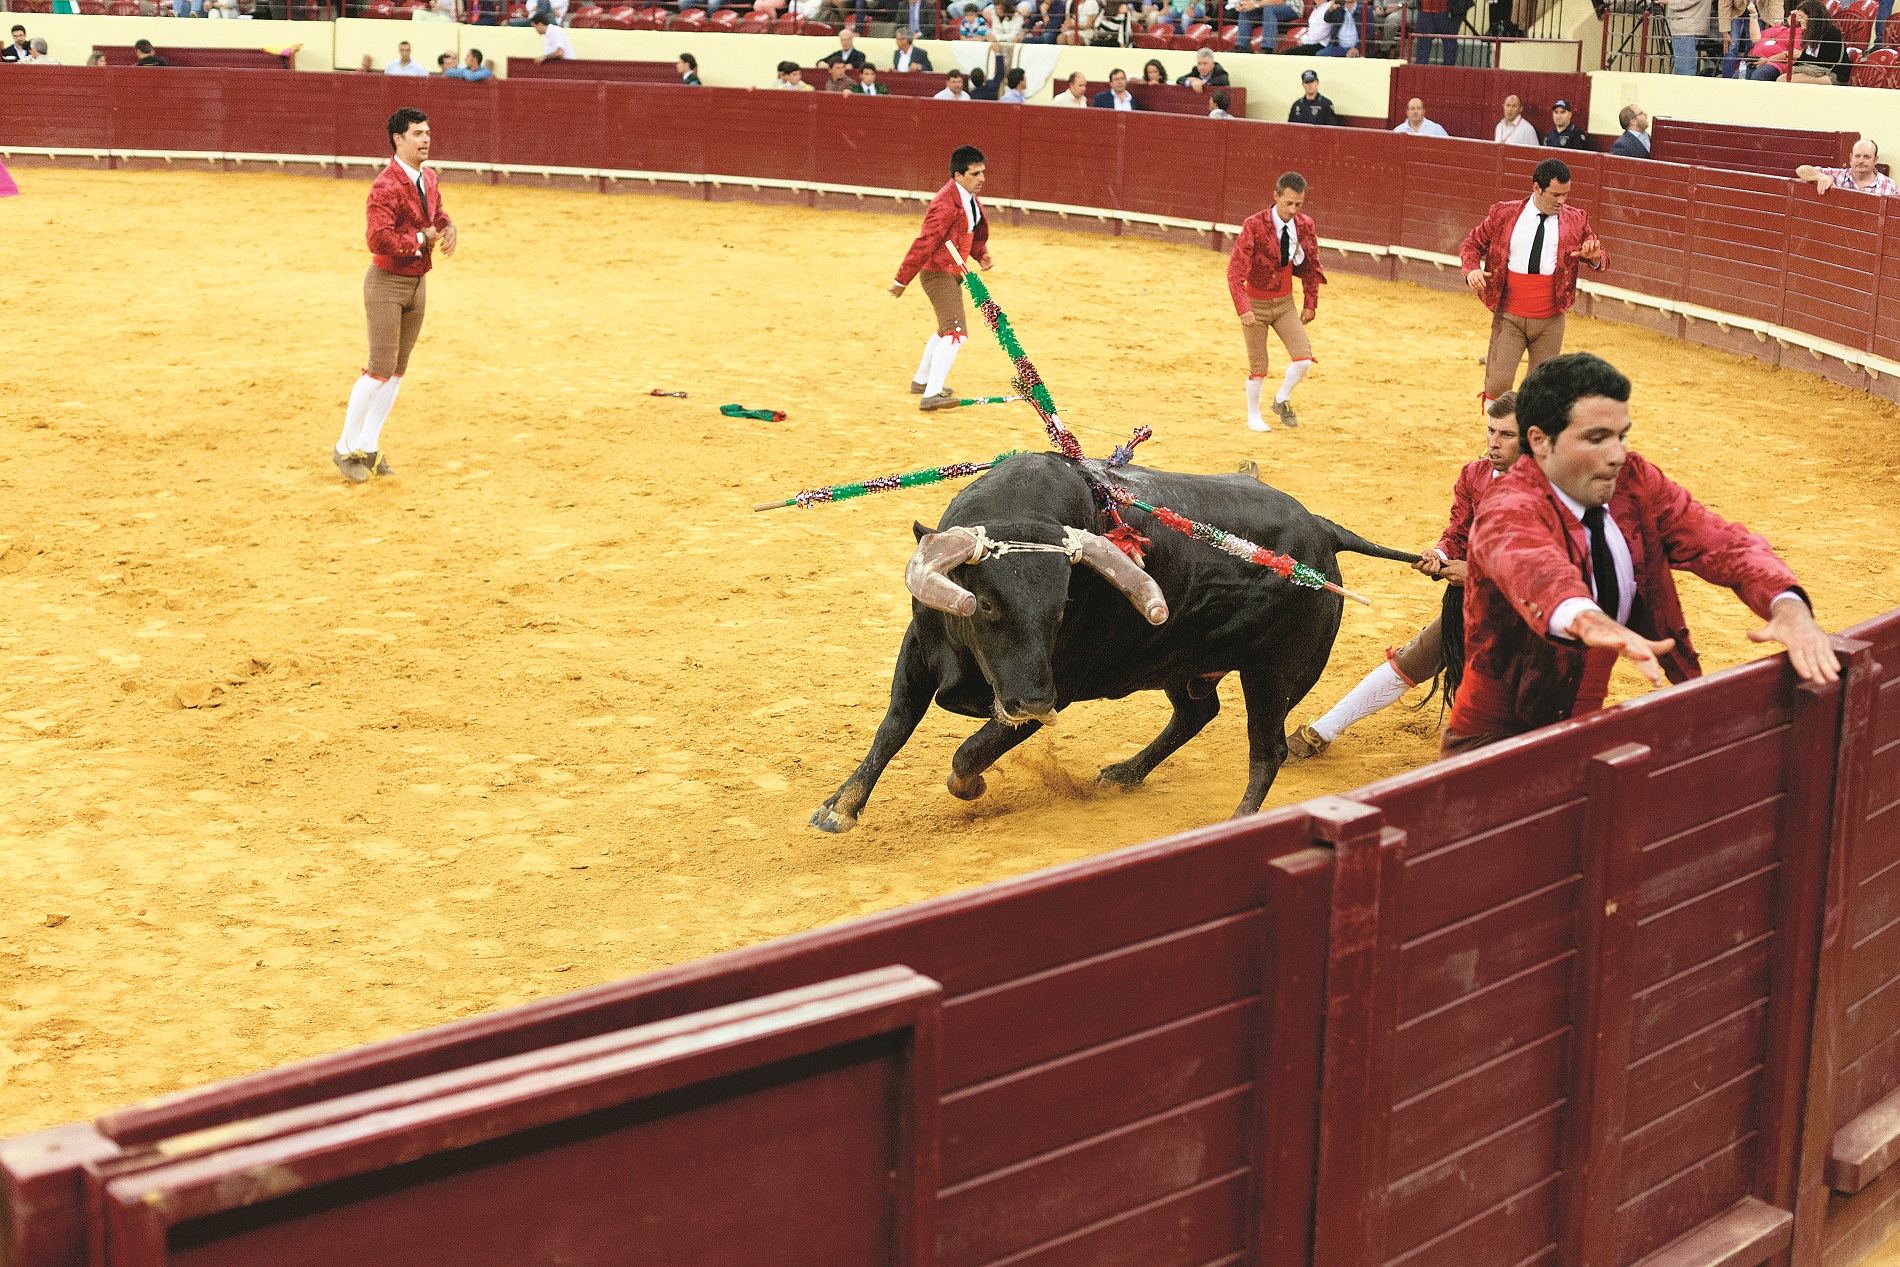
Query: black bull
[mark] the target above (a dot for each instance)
(1044, 634)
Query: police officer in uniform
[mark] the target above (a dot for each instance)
(1566, 135)
(1311, 107)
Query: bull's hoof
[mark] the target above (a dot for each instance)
(828, 818)
(1121, 774)
(966, 789)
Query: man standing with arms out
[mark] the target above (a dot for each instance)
(955, 217)
(1634, 143)
(1861, 173)
(1274, 245)
(1310, 107)
(1514, 128)
(1564, 133)
(1570, 568)
(1416, 124)
(1427, 653)
(1521, 260)
(405, 221)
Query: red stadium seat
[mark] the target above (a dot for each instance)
(755, 24)
(379, 9)
(1154, 41)
(585, 16)
(1289, 37)
(1892, 36)
(785, 26)
(691, 20)
(1163, 29)
(724, 20)
(1856, 23)
(1225, 40)
(649, 19)
(620, 18)
(123, 8)
(816, 28)
(1878, 69)
(1198, 35)
(96, 8)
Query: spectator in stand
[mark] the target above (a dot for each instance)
(485, 12)
(1207, 73)
(1310, 107)
(471, 68)
(908, 56)
(1736, 44)
(1046, 21)
(20, 50)
(711, 6)
(984, 87)
(867, 85)
(1004, 24)
(846, 54)
(148, 56)
(1117, 97)
(838, 78)
(1688, 23)
(1080, 28)
(1153, 72)
(1330, 32)
(1077, 92)
(1270, 17)
(554, 9)
(1564, 134)
(1435, 19)
(367, 67)
(555, 46)
(40, 56)
(955, 87)
(1861, 174)
(1221, 100)
(790, 79)
(1013, 85)
(98, 58)
(444, 62)
(1385, 27)
(972, 25)
(1116, 27)
(1514, 128)
(1416, 124)
(688, 67)
(915, 16)
(1822, 56)
(1634, 143)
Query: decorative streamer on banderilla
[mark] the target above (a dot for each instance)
(885, 483)
(1241, 548)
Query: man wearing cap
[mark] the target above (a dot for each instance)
(1566, 135)
(1521, 260)
(1416, 124)
(1310, 107)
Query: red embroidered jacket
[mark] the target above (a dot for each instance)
(1490, 244)
(1474, 481)
(944, 221)
(1528, 554)
(1256, 260)
(396, 215)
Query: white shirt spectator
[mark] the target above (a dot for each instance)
(414, 67)
(1345, 31)
(1007, 29)
(556, 41)
(947, 95)
(1523, 233)
(1425, 128)
(1126, 101)
(1013, 97)
(1086, 13)
(1067, 98)
(1519, 133)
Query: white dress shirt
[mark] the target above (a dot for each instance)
(1292, 236)
(556, 40)
(413, 68)
(972, 214)
(947, 95)
(1123, 101)
(904, 58)
(1519, 133)
(414, 176)
(1522, 235)
(1067, 98)
(1425, 128)
(1318, 32)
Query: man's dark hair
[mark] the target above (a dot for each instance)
(476, 53)
(444, 56)
(1290, 180)
(976, 77)
(692, 63)
(964, 157)
(1549, 391)
(143, 48)
(1503, 407)
(956, 74)
(401, 121)
(1016, 77)
(541, 19)
(1222, 99)
(18, 29)
(786, 68)
(1548, 170)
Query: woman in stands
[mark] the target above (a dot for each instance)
(1810, 38)
(1154, 73)
(1116, 27)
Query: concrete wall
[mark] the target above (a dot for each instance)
(70, 37)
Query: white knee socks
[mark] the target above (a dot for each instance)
(1375, 691)
(378, 414)
(930, 353)
(1254, 421)
(947, 348)
(1294, 373)
(361, 396)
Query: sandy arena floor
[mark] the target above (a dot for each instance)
(552, 707)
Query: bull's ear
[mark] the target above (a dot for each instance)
(919, 531)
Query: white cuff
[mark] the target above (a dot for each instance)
(1442, 556)
(1794, 594)
(1567, 611)
(421, 238)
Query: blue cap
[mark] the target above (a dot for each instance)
(1309, 76)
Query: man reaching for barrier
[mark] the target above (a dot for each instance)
(1431, 651)
(405, 221)
(955, 217)
(1274, 245)
(1570, 567)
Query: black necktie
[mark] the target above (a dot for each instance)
(1537, 256)
(1602, 565)
(420, 194)
(1286, 250)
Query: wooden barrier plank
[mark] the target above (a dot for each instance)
(1477, 872)
(1685, 1202)
(1692, 932)
(1870, 962)
(1676, 1141)
(1520, 1230)
(1458, 1113)
(1441, 1045)
(1689, 793)
(1747, 1233)
(1196, 1227)
(1674, 1076)
(1711, 854)
(1479, 952)
(1432, 1201)
(1693, 1000)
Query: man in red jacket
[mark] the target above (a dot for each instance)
(1570, 567)
(405, 221)
(1427, 653)
(956, 217)
(1273, 246)
(1524, 267)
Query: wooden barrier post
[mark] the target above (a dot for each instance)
(1362, 1015)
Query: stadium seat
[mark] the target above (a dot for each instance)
(379, 9)
(1197, 35)
(1856, 23)
(95, 8)
(1225, 40)
(691, 20)
(515, 10)
(755, 24)
(724, 20)
(649, 19)
(1878, 69)
(816, 28)
(785, 26)
(123, 8)
(583, 17)
(1290, 36)
(1146, 40)
(619, 18)
(1892, 36)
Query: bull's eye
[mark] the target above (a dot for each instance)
(985, 606)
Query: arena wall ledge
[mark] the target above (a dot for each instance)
(1623, 991)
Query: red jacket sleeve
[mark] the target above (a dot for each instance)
(383, 235)
(1455, 541)
(1518, 540)
(1477, 244)
(1237, 265)
(1698, 540)
(938, 223)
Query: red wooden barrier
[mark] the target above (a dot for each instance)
(202, 58)
(1468, 101)
(617, 72)
(1768, 151)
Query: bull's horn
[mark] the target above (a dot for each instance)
(924, 575)
(1121, 571)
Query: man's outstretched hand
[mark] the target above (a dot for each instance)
(1594, 629)
(1791, 624)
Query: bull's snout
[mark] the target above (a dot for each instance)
(1016, 709)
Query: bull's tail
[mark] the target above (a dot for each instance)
(1350, 542)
